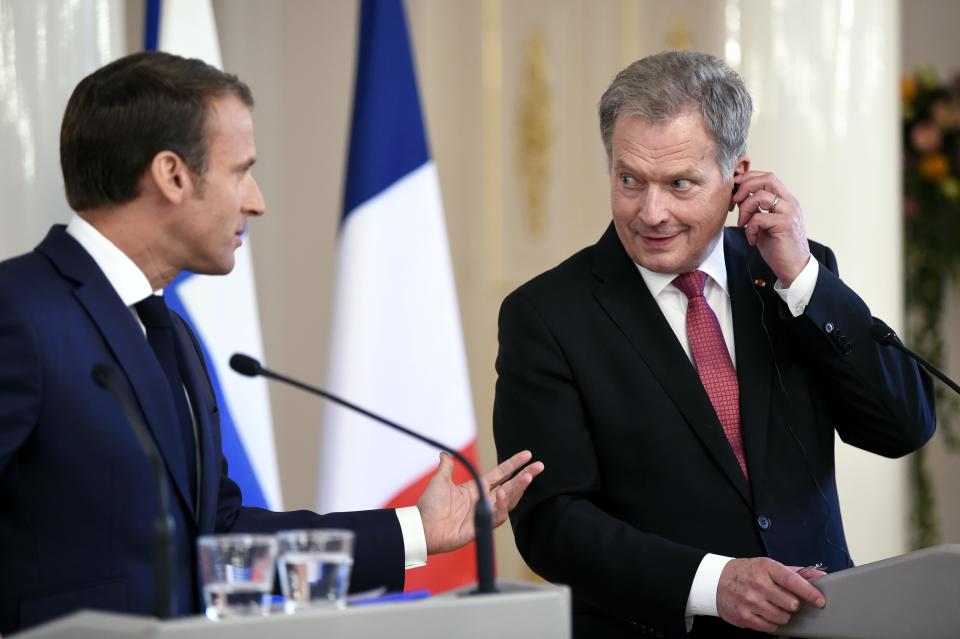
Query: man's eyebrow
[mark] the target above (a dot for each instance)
(687, 173)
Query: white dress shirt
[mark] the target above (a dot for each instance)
(132, 285)
(673, 304)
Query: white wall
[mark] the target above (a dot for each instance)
(46, 47)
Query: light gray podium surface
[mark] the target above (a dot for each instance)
(913, 596)
(521, 610)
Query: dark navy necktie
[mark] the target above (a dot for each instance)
(156, 318)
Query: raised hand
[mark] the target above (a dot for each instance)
(447, 508)
(773, 221)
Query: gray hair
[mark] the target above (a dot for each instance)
(660, 87)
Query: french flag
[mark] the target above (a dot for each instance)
(223, 309)
(396, 342)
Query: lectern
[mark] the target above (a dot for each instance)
(915, 596)
(519, 610)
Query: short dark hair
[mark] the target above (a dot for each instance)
(121, 115)
(661, 86)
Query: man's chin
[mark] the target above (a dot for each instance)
(218, 268)
(671, 262)
(665, 264)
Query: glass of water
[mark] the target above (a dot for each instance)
(237, 573)
(315, 567)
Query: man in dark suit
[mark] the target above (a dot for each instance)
(156, 153)
(683, 382)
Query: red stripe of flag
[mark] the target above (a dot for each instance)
(449, 570)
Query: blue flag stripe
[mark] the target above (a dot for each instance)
(387, 138)
(241, 471)
(151, 34)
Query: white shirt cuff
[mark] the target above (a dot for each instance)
(703, 592)
(414, 541)
(801, 290)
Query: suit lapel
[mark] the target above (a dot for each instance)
(627, 300)
(128, 345)
(202, 399)
(750, 302)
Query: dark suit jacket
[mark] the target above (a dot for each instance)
(640, 481)
(77, 499)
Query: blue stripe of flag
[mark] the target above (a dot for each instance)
(387, 138)
(151, 33)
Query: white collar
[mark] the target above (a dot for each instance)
(124, 275)
(714, 265)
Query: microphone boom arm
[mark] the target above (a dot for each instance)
(164, 526)
(483, 517)
(886, 335)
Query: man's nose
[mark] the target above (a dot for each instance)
(252, 200)
(653, 207)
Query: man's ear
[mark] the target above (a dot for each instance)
(741, 168)
(171, 176)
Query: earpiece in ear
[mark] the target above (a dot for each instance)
(732, 203)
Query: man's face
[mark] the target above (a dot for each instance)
(208, 229)
(668, 197)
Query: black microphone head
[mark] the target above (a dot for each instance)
(102, 375)
(245, 365)
(883, 333)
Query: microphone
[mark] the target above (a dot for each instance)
(482, 518)
(886, 335)
(163, 526)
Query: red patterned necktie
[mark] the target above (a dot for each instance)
(712, 359)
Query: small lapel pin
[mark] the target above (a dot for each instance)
(759, 282)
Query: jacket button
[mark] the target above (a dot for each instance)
(847, 348)
(828, 327)
(763, 522)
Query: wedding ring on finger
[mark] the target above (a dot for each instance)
(773, 205)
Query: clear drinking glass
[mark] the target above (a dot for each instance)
(237, 573)
(315, 567)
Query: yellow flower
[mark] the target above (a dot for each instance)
(934, 166)
(908, 88)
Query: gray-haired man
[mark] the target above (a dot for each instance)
(683, 382)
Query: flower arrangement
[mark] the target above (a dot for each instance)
(931, 206)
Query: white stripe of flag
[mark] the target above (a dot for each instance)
(396, 342)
